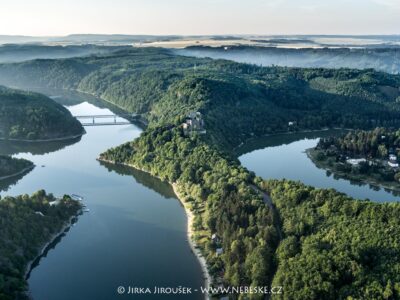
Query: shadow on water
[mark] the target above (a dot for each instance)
(49, 247)
(283, 139)
(35, 148)
(5, 184)
(161, 187)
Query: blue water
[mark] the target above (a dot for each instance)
(134, 234)
(283, 156)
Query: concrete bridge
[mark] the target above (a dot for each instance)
(105, 120)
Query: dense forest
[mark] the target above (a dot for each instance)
(315, 243)
(27, 224)
(10, 166)
(31, 116)
(335, 247)
(219, 192)
(238, 101)
(376, 143)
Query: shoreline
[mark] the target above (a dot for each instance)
(192, 243)
(71, 137)
(43, 249)
(18, 173)
(345, 176)
(189, 229)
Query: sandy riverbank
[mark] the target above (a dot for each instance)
(189, 230)
(190, 233)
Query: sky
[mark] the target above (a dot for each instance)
(195, 17)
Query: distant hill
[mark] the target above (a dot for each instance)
(22, 52)
(379, 57)
(239, 101)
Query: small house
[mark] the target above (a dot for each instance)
(392, 157)
(219, 251)
(54, 203)
(393, 164)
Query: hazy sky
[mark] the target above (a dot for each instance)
(60, 17)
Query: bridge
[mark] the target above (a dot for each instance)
(104, 120)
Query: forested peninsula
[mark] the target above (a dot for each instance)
(27, 116)
(28, 224)
(315, 243)
(255, 233)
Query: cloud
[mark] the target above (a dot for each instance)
(389, 3)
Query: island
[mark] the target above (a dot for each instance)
(27, 116)
(364, 156)
(28, 225)
(10, 167)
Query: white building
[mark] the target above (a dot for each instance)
(53, 203)
(355, 161)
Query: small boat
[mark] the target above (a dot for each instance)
(86, 210)
(76, 197)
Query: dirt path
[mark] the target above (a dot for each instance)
(268, 201)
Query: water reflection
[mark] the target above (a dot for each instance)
(35, 148)
(283, 156)
(71, 98)
(161, 187)
(135, 232)
(7, 183)
(50, 247)
(283, 139)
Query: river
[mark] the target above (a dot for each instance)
(134, 234)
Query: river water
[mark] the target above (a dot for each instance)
(134, 234)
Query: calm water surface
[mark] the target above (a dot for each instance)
(283, 156)
(134, 234)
